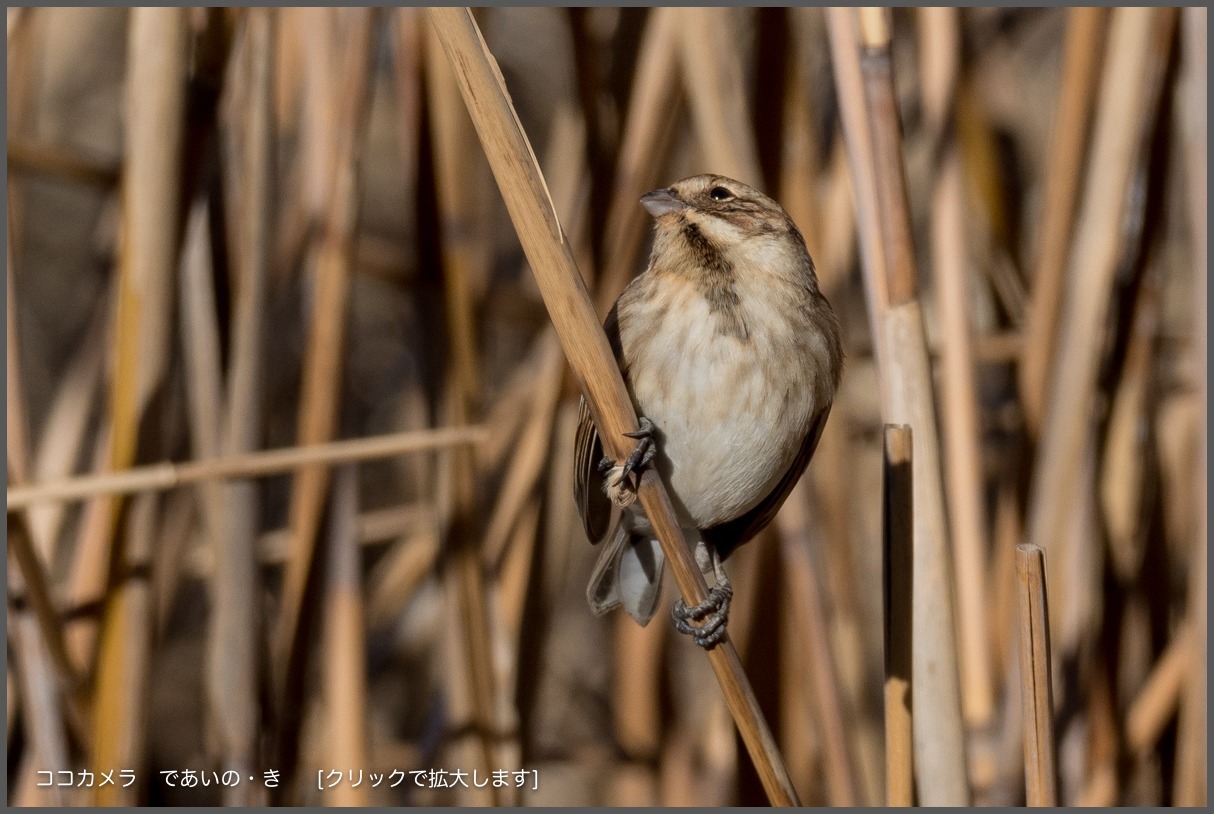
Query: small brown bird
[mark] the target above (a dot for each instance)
(732, 356)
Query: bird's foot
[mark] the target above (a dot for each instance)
(712, 615)
(620, 488)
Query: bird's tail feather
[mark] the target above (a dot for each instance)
(628, 574)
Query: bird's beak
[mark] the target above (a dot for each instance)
(661, 202)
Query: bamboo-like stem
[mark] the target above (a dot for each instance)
(165, 476)
(1037, 697)
(898, 564)
(1129, 93)
(1080, 69)
(585, 344)
(959, 408)
(906, 391)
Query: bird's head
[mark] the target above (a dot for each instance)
(724, 211)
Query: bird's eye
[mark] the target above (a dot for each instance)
(720, 194)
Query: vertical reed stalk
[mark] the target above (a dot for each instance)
(898, 510)
(940, 47)
(1080, 69)
(905, 372)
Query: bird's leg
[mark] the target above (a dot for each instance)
(618, 489)
(713, 613)
(644, 451)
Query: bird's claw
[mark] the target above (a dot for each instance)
(712, 615)
(643, 452)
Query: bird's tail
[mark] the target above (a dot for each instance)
(628, 574)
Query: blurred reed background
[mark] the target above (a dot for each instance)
(235, 231)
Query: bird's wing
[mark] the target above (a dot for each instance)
(733, 533)
(592, 502)
(599, 514)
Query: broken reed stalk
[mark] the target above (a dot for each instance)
(529, 204)
(1037, 697)
(1063, 174)
(165, 476)
(898, 508)
(904, 370)
(959, 397)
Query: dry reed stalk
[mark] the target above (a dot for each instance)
(898, 510)
(1158, 699)
(406, 32)
(37, 687)
(824, 225)
(120, 700)
(713, 81)
(88, 574)
(60, 162)
(513, 585)
(940, 54)
(1037, 697)
(345, 690)
(148, 245)
(854, 121)
(176, 531)
(1063, 173)
(154, 130)
(165, 476)
(1129, 94)
(398, 576)
(466, 250)
(801, 155)
(235, 621)
(1127, 488)
(906, 387)
(800, 743)
(67, 423)
(585, 344)
(636, 703)
(654, 106)
(1190, 781)
(466, 255)
(339, 83)
(374, 526)
(808, 609)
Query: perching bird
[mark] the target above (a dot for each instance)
(731, 356)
